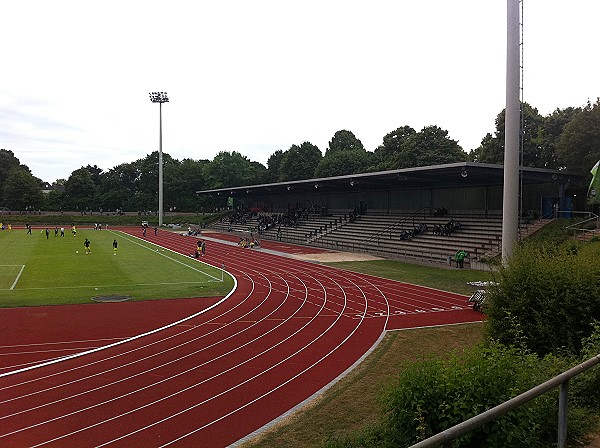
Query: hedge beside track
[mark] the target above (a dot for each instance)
(128, 219)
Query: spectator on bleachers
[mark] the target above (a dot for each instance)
(446, 229)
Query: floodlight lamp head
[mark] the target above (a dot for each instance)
(159, 97)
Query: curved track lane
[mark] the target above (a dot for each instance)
(289, 329)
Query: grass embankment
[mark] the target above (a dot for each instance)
(355, 401)
(453, 280)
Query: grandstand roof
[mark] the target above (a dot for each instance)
(461, 174)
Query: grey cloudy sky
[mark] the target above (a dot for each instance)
(259, 76)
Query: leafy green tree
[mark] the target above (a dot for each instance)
(390, 148)
(273, 165)
(300, 162)
(344, 141)
(146, 181)
(232, 169)
(118, 188)
(345, 155)
(81, 191)
(534, 155)
(54, 200)
(96, 173)
(491, 150)
(430, 146)
(22, 190)
(549, 135)
(182, 180)
(8, 161)
(340, 163)
(579, 145)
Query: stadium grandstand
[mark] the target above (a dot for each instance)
(423, 214)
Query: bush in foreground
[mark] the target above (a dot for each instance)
(547, 298)
(434, 395)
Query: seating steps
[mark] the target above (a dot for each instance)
(380, 234)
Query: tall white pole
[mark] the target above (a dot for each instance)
(510, 204)
(160, 170)
(160, 97)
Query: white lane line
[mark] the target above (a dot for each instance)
(113, 286)
(17, 279)
(137, 241)
(123, 341)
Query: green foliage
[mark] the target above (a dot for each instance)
(579, 146)
(550, 294)
(81, 190)
(585, 388)
(340, 163)
(430, 146)
(540, 135)
(491, 150)
(22, 190)
(390, 148)
(344, 141)
(450, 393)
(300, 162)
(232, 169)
(549, 135)
(110, 219)
(434, 395)
(405, 148)
(273, 164)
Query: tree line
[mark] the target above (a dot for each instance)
(567, 139)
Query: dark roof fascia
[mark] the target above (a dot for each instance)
(538, 174)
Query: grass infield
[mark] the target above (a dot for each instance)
(35, 270)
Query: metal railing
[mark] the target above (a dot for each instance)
(577, 227)
(398, 224)
(475, 422)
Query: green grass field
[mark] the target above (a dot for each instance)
(39, 271)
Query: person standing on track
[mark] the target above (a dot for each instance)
(203, 248)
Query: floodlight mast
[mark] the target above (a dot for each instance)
(510, 201)
(160, 98)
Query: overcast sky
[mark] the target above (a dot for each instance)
(259, 76)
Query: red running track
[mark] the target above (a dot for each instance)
(288, 330)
